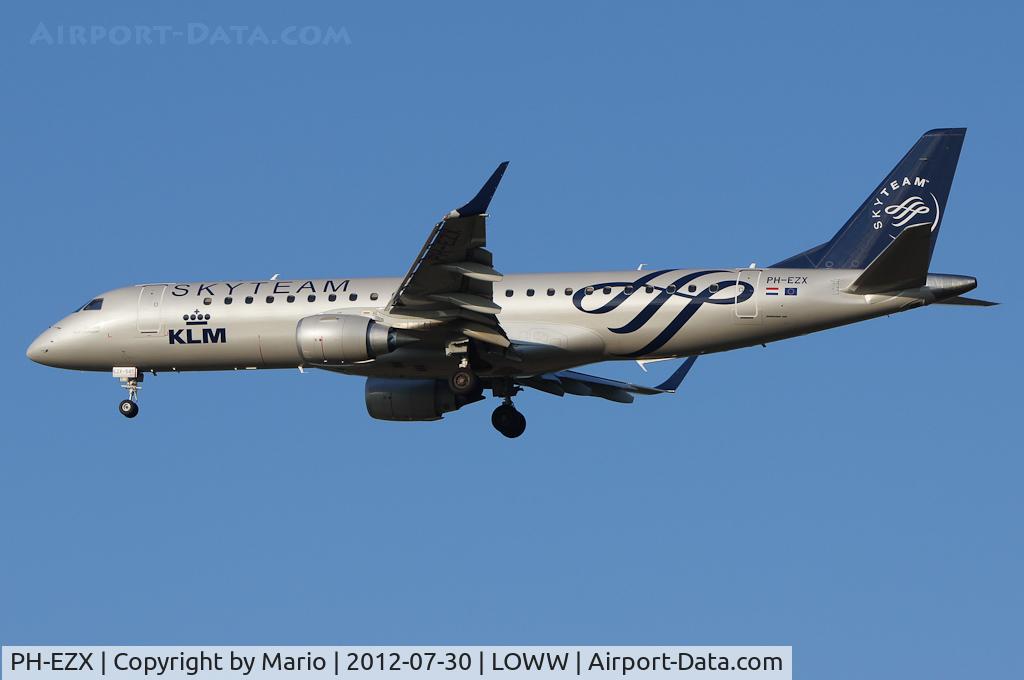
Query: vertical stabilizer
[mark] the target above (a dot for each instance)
(913, 194)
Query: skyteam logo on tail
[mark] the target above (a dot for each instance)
(895, 209)
(907, 210)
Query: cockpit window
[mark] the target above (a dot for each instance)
(93, 305)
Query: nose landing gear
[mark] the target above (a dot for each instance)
(130, 378)
(508, 421)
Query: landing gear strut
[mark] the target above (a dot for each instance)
(130, 379)
(507, 420)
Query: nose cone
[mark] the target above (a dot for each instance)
(40, 349)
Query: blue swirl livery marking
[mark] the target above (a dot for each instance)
(694, 302)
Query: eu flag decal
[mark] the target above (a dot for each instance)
(791, 291)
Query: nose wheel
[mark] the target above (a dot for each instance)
(128, 408)
(508, 421)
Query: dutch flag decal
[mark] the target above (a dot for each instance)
(771, 291)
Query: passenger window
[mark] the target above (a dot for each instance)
(713, 287)
(332, 297)
(311, 298)
(606, 290)
(529, 292)
(228, 300)
(589, 290)
(270, 298)
(353, 297)
(248, 300)
(629, 290)
(508, 292)
(93, 305)
(648, 289)
(670, 290)
(551, 291)
(692, 288)
(568, 291)
(290, 298)
(373, 296)
(207, 301)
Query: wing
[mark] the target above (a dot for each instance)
(581, 384)
(451, 280)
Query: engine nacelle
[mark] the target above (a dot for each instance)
(413, 399)
(345, 338)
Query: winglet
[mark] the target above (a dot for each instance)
(478, 206)
(672, 384)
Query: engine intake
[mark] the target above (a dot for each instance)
(413, 399)
(346, 338)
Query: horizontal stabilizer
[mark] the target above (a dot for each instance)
(902, 265)
(967, 302)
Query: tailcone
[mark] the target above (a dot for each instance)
(945, 286)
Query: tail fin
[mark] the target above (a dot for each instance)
(914, 193)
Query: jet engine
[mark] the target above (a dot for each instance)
(346, 338)
(413, 399)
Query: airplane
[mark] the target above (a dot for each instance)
(432, 341)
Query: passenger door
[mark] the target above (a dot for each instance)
(150, 300)
(747, 309)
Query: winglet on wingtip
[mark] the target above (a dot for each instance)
(674, 380)
(478, 206)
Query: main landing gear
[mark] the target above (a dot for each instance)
(464, 381)
(507, 420)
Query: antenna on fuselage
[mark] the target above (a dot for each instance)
(274, 277)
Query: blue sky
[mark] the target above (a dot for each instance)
(855, 494)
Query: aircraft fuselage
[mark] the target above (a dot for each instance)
(556, 321)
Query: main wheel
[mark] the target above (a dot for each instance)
(508, 421)
(128, 408)
(463, 381)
